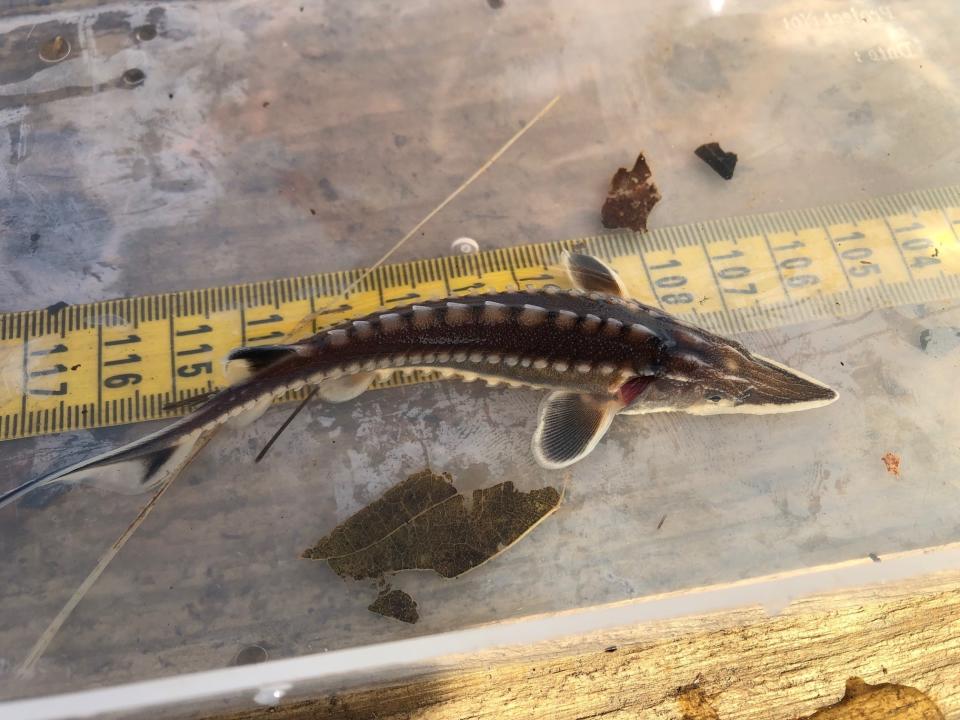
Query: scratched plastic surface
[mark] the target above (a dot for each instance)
(254, 145)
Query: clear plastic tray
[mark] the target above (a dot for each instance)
(265, 143)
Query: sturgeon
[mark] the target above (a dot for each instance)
(598, 352)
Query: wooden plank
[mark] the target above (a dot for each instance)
(871, 654)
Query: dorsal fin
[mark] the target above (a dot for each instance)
(592, 275)
(243, 363)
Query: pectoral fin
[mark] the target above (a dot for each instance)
(570, 426)
(592, 275)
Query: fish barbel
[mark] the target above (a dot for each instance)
(597, 351)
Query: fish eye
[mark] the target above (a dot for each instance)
(715, 397)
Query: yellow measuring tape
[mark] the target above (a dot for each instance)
(123, 361)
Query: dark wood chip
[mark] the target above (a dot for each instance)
(722, 162)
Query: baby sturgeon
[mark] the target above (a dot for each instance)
(597, 352)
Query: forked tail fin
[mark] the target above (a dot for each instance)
(146, 463)
(137, 467)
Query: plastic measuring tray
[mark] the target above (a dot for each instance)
(181, 146)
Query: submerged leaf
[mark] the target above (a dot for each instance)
(396, 604)
(423, 523)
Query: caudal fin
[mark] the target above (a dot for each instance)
(147, 463)
(138, 467)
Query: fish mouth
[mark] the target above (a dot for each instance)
(775, 388)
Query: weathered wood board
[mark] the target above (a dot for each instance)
(879, 654)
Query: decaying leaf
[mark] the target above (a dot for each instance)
(396, 604)
(631, 197)
(892, 462)
(423, 523)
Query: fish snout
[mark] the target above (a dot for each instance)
(776, 388)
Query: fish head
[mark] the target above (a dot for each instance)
(703, 374)
(757, 385)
